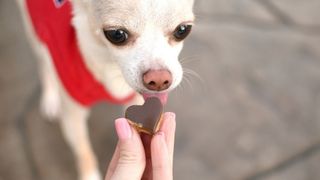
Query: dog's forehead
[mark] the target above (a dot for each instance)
(136, 13)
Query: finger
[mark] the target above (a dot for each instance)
(161, 163)
(131, 160)
(113, 163)
(168, 127)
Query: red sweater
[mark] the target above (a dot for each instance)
(51, 20)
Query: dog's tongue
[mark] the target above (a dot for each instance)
(162, 96)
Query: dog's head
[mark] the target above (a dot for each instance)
(145, 37)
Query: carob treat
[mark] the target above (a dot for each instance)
(146, 118)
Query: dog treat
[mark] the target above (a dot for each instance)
(146, 118)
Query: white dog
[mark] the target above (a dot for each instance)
(93, 50)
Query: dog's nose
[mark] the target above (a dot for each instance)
(157, 80)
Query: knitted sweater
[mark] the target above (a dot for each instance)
(51, 20)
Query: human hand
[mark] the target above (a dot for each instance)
(143, 157)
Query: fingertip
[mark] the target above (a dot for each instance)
(123, 129)
(130, 159)
(169, 122)
(170, 115)
(170, 118)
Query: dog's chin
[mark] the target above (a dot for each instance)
(162, 96)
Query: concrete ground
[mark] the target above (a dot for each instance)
(248, 108)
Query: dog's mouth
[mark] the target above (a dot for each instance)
(162, 96)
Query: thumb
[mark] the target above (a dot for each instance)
(131, 157)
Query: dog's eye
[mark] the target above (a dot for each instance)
(182, 31)
(116, 36)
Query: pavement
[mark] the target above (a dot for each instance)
(248, 108)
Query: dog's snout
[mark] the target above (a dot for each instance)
(157, 80)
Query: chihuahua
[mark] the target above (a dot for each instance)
(88, 51)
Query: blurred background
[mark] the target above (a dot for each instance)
(248, 108)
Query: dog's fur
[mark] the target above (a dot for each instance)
(119, 68)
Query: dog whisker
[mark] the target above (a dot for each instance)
(192, 73)
(186, 84)
(179, 89)
(188, 60)
(187, 80)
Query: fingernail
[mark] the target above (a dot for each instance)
(169, 121)
(123, 129)
(160, 134)
(161, 139)
(170, 115)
